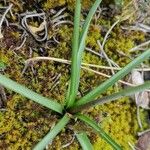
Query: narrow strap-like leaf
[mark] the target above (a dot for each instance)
(82, 44)
(18, 88)
(52, 134)
(86, 26)
(101, 132)
(126, 92)
(75, 46)
(119, 75)
(84, 141)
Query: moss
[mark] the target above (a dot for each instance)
(86, 4)
(21, 123)
(24, 122)
(48, 4)
(120, 121)
(93, 36)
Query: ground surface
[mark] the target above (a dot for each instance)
(22, 122)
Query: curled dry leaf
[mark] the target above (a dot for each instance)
(142, 98)
(143, 142)
(37, 29)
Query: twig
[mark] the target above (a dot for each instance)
(138, 27)
(68, 144)
(59, 17)
(62, 22)
(105, 55)
(139, 118)
(85, 64)
(23, 42)
(28, 61)
(107, 76)
(94, 52)
(139, 46)
(54, 38)
(27, 64)
(132, 146)
(102, 47)
(143, 132)
(3, 18)
(143, 26)
(56, 81)
(104, 42)
(107, 59)
(59, 12)
(108, 32)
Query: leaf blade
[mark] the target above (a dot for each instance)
(84, 141)
(111, 81)
(82, 42)
(101, 132)
(77, 62)
(53, 133)
(126, 92)
(75, 45)
(18, 88)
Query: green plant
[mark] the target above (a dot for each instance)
(73, 108)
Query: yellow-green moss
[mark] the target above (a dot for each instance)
(120, 121)
(48, 4)
(24, 122)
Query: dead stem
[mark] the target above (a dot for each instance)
(139, 46)
(106, 56)
(143, 132)
(68, 144)
(62, 22)
(21, 45)
(110, 62)
(59, 12)
(139, 118)
(94, 52)
(108, 33)
(36, 59)
(132, 146)
(3, 18)
(56, 81)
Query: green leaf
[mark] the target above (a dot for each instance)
(84, 141)
(126, 92)
(100, 131)
(83, 39)
(111, 81)
(52, 134)
(75, 47)
(87, 25)
(78, 56)
(18, 88)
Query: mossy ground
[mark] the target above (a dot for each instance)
(23, 123)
